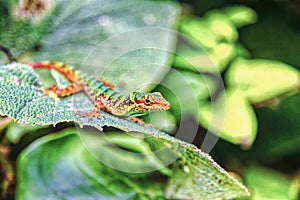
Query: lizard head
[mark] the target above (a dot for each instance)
(142, 103)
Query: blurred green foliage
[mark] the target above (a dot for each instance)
(273, 92)
(245, 79)
(268, 184)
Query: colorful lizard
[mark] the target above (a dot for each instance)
(103, 94)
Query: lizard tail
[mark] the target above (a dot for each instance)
(70, 73)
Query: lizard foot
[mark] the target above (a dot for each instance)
(90, 114)
(140, 121)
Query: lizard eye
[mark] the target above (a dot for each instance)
(147, 101)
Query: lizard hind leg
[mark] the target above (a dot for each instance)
(57, 91)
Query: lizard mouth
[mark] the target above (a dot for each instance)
(161, 106)
(164, 106)
(167, 106)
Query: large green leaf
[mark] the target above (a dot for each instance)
(69, 170)
(127, 43)
(232, 118)
(59, 167)
(261, 79)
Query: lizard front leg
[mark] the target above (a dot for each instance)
(90, 114)
(140, 121)
(98, 105)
